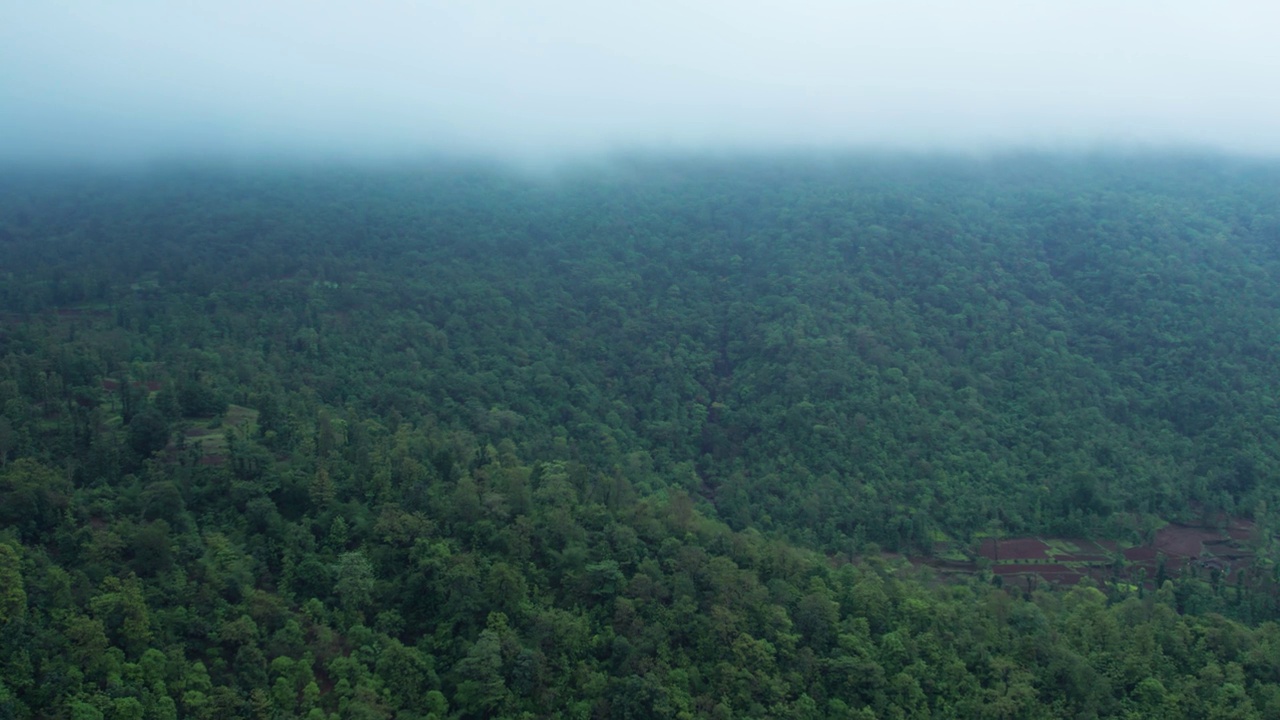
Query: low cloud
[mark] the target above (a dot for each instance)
(129, 80)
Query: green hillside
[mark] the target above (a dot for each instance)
(653, 438)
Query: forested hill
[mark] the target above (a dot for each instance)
(888, 350)
(454, 441)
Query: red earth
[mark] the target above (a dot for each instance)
(1014, 549)
(1201, 550)
(1182, 541)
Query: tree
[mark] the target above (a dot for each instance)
(123, 611)
(354, 581)
(407, 673)
(147, 432)
(13, 596)
(32, 499)
(482, 685)
(198, 399)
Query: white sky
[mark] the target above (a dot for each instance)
(547, 78)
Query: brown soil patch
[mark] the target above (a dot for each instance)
(1014, 549)
(113, 385)
(1085, 559)
(1063, 577)
(1222, 548)
(1141, 555)
(1182, 541)
(1029, 569)
(1241, 530)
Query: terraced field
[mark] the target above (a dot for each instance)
(1197, 550)
(209, 435)
(205, 436)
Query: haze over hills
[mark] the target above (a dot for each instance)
(848, 360)
(127, 82)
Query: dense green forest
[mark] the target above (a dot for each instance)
(658, 437)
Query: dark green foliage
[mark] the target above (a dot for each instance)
(33, 499)
(148, 432)
(195, 399)
(453, 443)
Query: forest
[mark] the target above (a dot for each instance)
(671, 437)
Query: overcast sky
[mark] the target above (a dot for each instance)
(548, 78)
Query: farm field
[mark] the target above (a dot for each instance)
(1183, 550)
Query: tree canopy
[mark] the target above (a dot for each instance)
(666, 437)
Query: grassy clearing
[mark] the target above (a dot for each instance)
(210, 434)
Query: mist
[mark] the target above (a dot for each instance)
(109, 82)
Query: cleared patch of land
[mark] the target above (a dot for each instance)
(1181, 549)
(209, 435)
